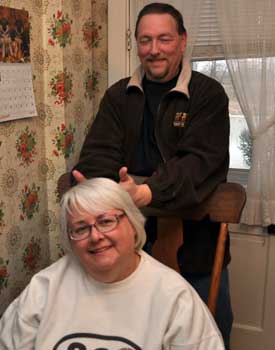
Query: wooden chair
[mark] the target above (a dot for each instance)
(224, 205)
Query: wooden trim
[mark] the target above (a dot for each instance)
(118, 59)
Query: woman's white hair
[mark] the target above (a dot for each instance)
(98, 195)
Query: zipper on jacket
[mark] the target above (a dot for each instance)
(155, 132)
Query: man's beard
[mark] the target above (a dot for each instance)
(152, 72)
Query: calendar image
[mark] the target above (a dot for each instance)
(16, 92)
(14, 35)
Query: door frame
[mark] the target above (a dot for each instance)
(118, 23)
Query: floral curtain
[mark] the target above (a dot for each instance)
(69, 64)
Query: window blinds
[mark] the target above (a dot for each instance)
(207, 44)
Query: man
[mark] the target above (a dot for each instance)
(170, 124)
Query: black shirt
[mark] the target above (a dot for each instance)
(147, 155)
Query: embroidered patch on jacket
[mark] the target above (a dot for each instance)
(180, 119)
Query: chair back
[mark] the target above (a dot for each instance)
(224, 205)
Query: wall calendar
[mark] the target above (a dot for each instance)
(16, 92)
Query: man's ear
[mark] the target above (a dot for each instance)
(184, 42)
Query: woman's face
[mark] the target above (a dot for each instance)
(107, 257)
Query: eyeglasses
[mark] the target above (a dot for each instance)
(104, 223)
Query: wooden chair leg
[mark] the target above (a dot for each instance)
(217, 269)
(170, 237)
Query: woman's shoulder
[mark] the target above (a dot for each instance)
(46, 282)
(57, 266)
(53, 274)
(166, 277)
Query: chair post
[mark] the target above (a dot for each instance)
(170, 238)
(217, 269)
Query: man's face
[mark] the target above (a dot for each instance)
(160, 47)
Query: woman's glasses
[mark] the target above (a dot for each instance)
(103, 223)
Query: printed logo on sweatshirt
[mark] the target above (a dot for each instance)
(91, 341)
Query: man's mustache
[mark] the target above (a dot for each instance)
(155, 59)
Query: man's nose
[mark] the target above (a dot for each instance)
(154, 47)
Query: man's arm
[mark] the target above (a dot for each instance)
(200, 157)
(102, 153)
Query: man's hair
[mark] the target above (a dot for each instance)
(98, 195)
(161, 8)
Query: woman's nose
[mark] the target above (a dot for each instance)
(95, 235)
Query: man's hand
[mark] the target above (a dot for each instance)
(141, 194)
(79, 177)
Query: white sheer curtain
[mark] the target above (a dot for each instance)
(248, 35)
(190, 11)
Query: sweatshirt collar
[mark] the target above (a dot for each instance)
(182, 82)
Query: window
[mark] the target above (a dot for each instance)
(208, 58)
(240, 141)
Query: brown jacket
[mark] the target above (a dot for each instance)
(192, 132)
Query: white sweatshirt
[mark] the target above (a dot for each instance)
(63, 308)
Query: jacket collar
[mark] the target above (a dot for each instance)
(182, 82)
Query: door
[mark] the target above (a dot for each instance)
(252, 281)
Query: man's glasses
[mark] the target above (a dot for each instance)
(104, 223)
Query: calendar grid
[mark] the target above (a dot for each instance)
(16, 91)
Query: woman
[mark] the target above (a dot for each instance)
(106, 293)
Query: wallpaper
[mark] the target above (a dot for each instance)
(68, 44)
